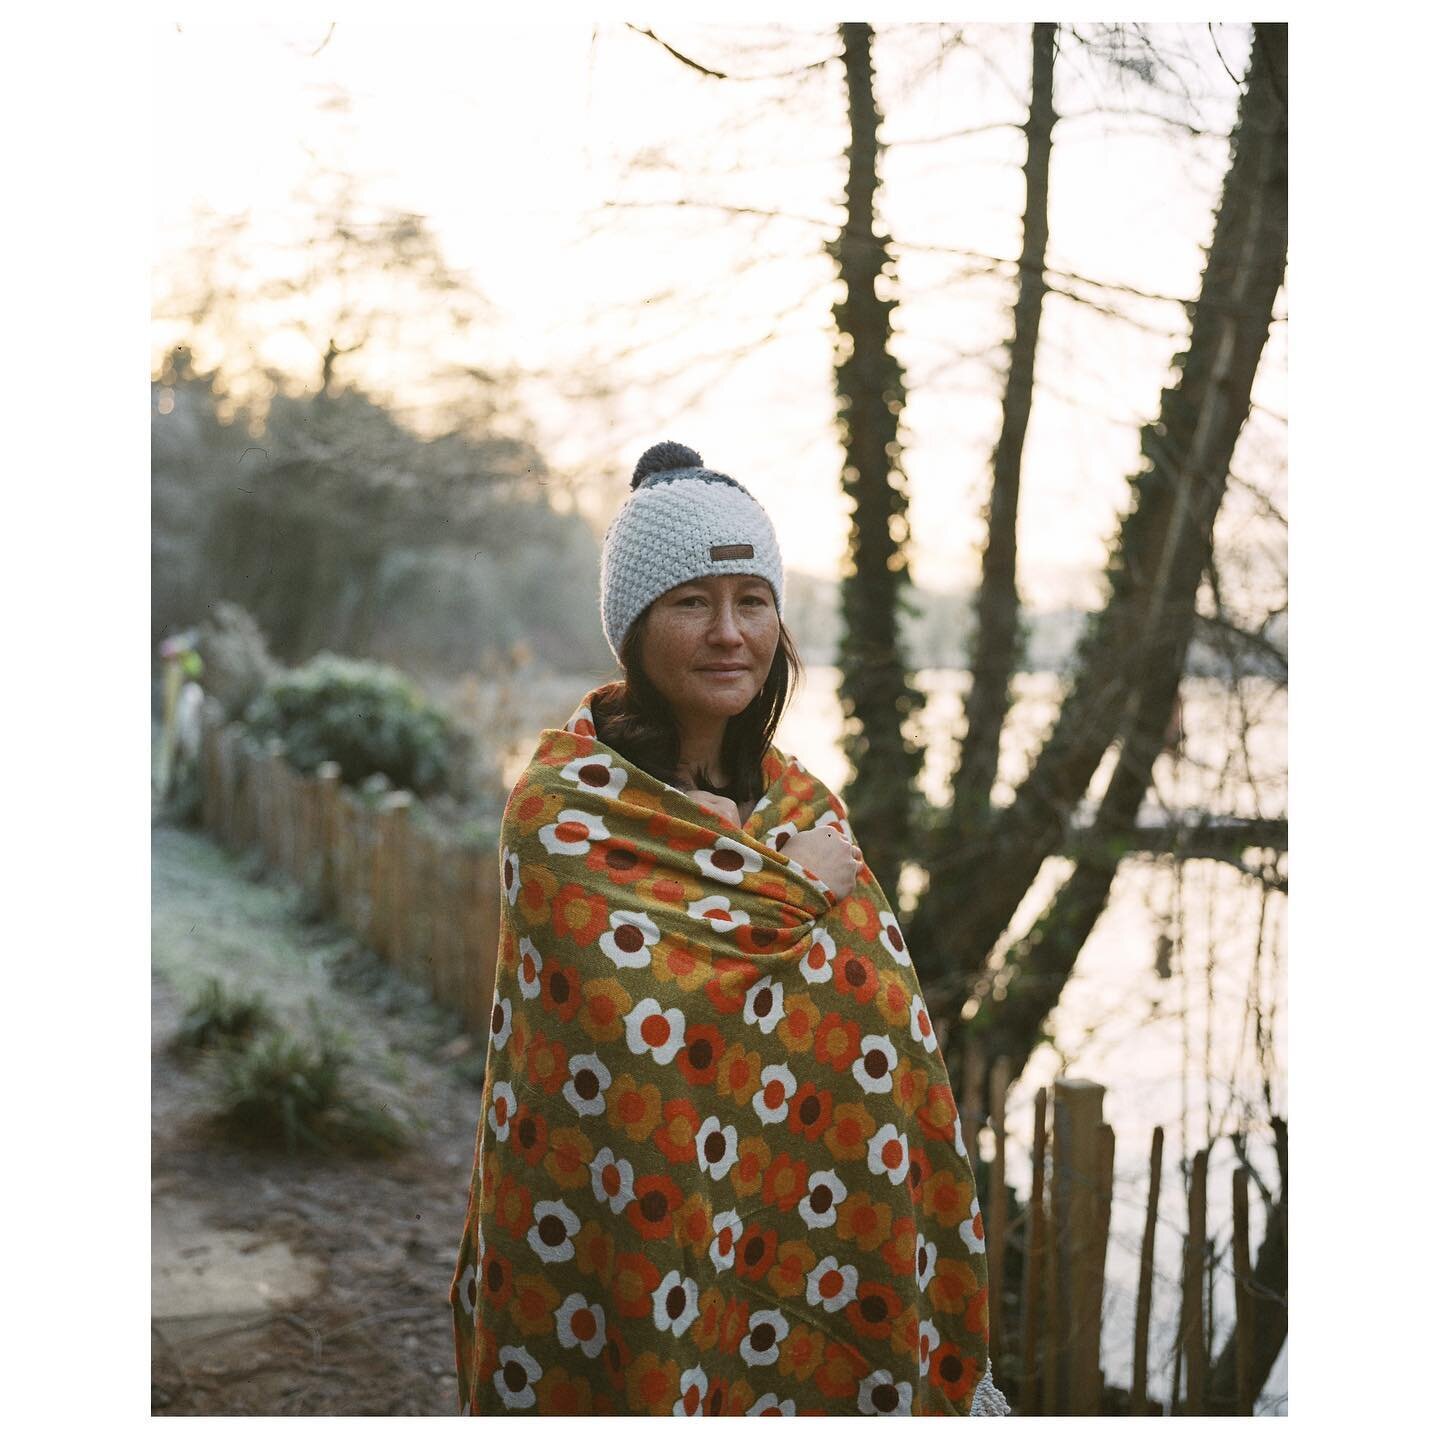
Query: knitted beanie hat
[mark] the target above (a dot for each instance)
(681, 521)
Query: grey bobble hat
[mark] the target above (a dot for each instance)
(681, 521)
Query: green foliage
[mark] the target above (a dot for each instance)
(367, 718)
(286, 1089)
(219, 1017)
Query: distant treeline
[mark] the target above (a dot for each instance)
(338, 529)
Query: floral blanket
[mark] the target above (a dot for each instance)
(719, 1167)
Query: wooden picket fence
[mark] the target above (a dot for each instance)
(1052, 1367)
(431, 911)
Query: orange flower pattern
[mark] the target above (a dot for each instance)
(718, 1168)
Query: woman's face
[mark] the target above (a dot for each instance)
(707, 644)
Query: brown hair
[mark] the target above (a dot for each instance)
(636, 719)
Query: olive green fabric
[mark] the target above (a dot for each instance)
(719, 1166)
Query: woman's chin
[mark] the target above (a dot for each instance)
(724, 697)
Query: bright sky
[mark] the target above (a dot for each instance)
(509, 137)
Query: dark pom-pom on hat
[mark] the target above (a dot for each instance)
(667, 455)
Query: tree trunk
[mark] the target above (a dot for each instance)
(997, 609)
(1133, 655)
(875, 689)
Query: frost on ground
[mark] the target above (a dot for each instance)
(299, 1285)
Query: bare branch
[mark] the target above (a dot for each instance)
(723, 74)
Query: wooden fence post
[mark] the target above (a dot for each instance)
(1076, 1207)
(396, 846)
(995, 1215)
(1035, 1252)
(1140, 1372)
(350, 878)
(1244, 1314)
(327, 825)
(1192, 1325)
(271, 782)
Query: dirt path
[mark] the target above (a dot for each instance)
(299, 1285)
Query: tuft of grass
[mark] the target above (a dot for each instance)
(219, 1017)
(297, 1091)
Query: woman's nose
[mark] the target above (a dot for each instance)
(726, 625)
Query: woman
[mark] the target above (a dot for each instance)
(719, 1166)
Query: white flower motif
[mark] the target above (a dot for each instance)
(837, 822)
(927, 1344)
(772, 1404)
(960, 1140)
(873, 1069)
(627, 942)
(500, 1023)
(509, 874)
(577, 1322)
(831, 1285)
(772, 1099)
(765, 1004)
(972, 1230)
(920, 1026)
(653, 1031)
(925, 1253)
(816, 966)
(783, 832)
(762, 1345)
(826, 1193)
(502, 1109)
(728, 1229)
(613, 1180)
(694, 1384)
(882, 1394)
(527, 971)
(677, 1303)
(582, 722)
(716, 909)
(515, 1377)
(551, 1235)
(889, 1153)
(716, 1148)
(727, 861)
(892, 939)
(596, 774)
(572, 832)
(588, 1082)
(467, 1290)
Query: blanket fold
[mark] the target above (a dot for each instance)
(718, 1167)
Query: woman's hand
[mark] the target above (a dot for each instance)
(718, 804)
(828, 854)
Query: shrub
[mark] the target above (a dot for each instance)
(285, 1089)
(367, 718)
(218, 1017)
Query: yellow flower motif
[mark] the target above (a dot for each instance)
(739, 1073)
(534, 1304)
(567, 1162)
(538, 889)
(605, 1003)
(748, 1173)
(796, 1030)
(863, 1220)
(682, 961)
(794, 1260)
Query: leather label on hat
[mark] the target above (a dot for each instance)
(732, 552)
